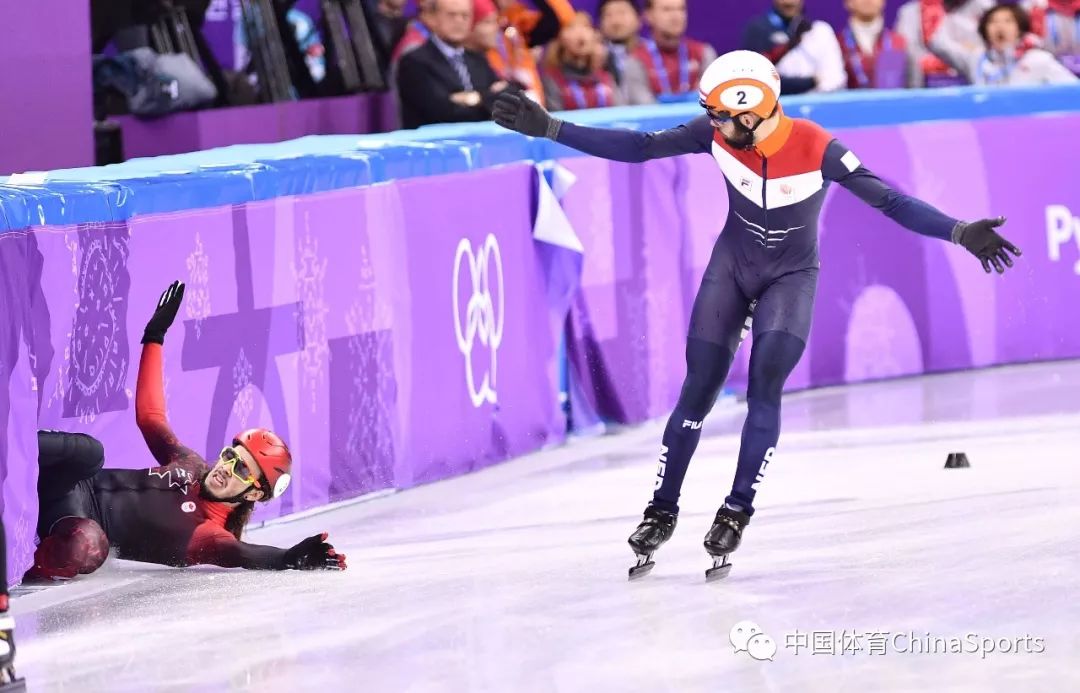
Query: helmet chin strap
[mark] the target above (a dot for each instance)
(747, 142)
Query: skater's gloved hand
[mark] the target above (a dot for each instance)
(164, 315)
(314, 553)
(515, 111)
(982, 241)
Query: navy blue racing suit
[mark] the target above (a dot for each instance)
(762, 274)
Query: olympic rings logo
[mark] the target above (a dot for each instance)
(482, 320)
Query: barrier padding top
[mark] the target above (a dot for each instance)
(245, 173)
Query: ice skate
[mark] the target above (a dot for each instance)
(654, 530)
(723, 538)
(9, 682)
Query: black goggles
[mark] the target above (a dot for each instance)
(718, 117)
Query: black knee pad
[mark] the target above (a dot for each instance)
(775, 354)
(89, 451)
(707, 366)
(81, 455)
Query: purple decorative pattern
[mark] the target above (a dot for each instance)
(99, 340)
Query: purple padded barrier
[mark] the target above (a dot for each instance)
(393, 335)
(24, 361)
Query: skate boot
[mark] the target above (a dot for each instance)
(9, 682)
(654, 530)
(723, 538)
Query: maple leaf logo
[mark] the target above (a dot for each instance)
(181, 481)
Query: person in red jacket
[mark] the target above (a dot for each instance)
(672, 62)
(864, 39)
(181, 512)
(573, 74)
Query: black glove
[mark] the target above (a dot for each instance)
(515, 111)
(982, 241)
(163, 317)
(314, 553)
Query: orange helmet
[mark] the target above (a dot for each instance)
(273, 457)
(740, 82)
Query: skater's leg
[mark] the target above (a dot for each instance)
(781, 325)
(716, 324)
(66, 461)
(716, 328)
(773, 357)
(72, 541)
(707, 367)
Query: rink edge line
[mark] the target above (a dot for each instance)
(320, 509)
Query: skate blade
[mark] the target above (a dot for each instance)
(641, 570)
(719, 571)
(16, 686)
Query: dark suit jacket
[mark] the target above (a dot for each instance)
(426, 79)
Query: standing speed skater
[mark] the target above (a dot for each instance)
(183, 511)
(763, 271)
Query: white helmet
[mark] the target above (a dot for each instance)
(740, 82)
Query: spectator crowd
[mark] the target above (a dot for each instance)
(449, 61)
(452, 59)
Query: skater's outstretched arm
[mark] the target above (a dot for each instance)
(519, 113)
(216, 546)
(978, 237)
(150, 412)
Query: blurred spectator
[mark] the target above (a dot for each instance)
(620, 26)
(308, 40)
(390, 9)
(574, 74)
(485, 34)
(417, 30)
(1058, 22)
(874, 56)
(1007, 58)
(957, 37)
(916, 22)
(488, 38)
(806, 53)
(389, 22)
(518, 28)
(535, 27)
(441, 81)
(668, 63)
(521, 30)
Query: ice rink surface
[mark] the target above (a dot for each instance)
(515, 578)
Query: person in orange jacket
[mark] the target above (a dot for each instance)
(521, 29)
